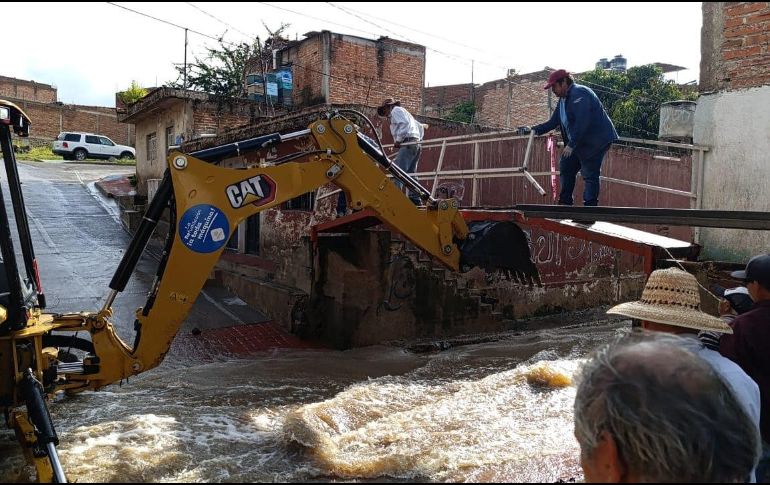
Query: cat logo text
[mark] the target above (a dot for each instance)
(258, 190)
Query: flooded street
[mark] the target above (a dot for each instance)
(498, 411)
(495, 412)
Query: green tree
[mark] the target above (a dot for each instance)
(633, 98)
(133, 94)
(223, 70)
(462, 112)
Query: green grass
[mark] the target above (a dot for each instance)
(39, 153)
(46, 153)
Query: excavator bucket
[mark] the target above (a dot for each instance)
(499, 246)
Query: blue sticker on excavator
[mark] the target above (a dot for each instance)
(204, 228)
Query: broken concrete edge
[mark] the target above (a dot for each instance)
(585, 318)
(115, 186)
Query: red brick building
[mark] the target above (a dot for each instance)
(341, 69)
(439, 100)
(50, 117)
(514, 101)
(21, 89)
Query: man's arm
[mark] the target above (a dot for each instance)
(548, 125)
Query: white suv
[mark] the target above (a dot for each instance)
(79, 146)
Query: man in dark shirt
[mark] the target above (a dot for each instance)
(749, 343)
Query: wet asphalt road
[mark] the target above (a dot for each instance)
(78, 241)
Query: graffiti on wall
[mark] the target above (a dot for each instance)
(558, 255)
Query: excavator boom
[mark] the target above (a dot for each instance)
(207, 203)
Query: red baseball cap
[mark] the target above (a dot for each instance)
(555, 77)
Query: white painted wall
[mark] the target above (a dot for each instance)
(736, 126)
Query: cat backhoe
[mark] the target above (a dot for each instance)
(206, 203)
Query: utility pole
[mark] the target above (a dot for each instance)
(184, 83)
(266, 98)
(510, 100)
(473, 94)
(473, 85)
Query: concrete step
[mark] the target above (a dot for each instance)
(248, 266)
(283, 304)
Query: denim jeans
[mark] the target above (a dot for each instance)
(589, 168)
(342, 204)
(406, 159)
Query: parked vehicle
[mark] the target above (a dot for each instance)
(79, 146)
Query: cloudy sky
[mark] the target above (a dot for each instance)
(90, 51)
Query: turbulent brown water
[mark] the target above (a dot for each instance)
(497, 411)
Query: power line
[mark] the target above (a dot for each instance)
(306, 67)
(236, 45)
(249, 36)
(413, 29)
(342, 9)
(171, 23)
(318, 18)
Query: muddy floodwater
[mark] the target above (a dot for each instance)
(499, 411)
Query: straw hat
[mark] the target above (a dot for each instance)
(671, 297)
(387, 102)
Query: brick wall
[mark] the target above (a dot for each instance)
(439, 100)
(50, 119)
(735, 45)
(11, 87)
(360, 71)
(306, 58)
(528, 103)
(216, 117)
(505, 103)
(366, 72)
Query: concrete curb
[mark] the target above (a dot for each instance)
(111, 164)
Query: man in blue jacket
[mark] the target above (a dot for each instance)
(587, 132)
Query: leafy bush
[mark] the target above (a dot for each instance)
(132, 94)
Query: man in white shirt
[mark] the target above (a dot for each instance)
(407, 133)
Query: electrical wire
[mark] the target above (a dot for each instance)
(330, 76)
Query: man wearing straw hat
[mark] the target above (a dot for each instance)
(671, 303)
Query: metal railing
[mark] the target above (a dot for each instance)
(476, 174)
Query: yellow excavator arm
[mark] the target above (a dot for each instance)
(211, 201)
(207, 203)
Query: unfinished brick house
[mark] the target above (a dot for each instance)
(50, 117)
(339, 69)
(517, 100)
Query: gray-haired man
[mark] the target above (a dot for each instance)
(649, 410)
